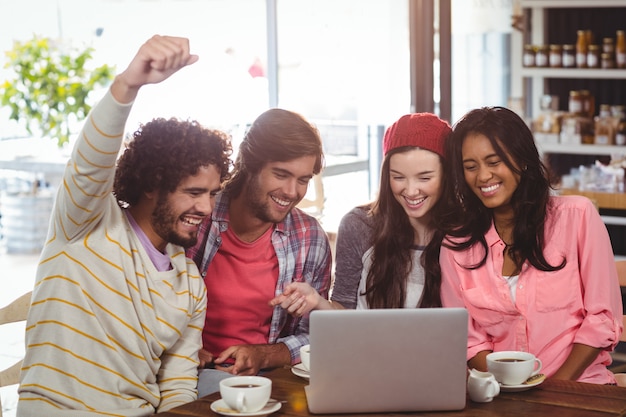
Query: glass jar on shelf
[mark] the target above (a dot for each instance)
(589, 103)
(576, 124)
(528, 59)
(568, 60)
(575, 103)
(555, 56)
(604, 133)
(547, 126)
(542, 56)
(593, 56)
(617, 112)
(608, 46)
(620, 133)
(607, 61)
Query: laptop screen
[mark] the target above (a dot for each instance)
(387, 360)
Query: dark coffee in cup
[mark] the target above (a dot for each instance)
(509, 360)
(245, 386)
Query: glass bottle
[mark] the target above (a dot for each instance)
(620, 50)
(603, 126)
(581, 49)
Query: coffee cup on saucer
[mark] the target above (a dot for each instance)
(482, 386)
(246, 394)
(513, 367)
(305, 357)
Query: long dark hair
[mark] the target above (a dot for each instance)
(513, 142)
(393, 237)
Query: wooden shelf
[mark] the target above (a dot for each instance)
(564, 148)
(580, 73)
(571, 3)
(603, 200)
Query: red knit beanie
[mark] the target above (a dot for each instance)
(423, 130)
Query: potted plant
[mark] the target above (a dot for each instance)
(51, 85)
(48, 94)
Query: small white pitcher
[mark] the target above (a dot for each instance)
(482, 386)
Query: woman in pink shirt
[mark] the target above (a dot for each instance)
(535, 271)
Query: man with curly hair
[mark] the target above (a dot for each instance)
(117, 311)
(256, 243)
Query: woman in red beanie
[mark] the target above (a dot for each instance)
(388, 250)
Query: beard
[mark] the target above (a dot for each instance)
(164, 221)
(254, 196)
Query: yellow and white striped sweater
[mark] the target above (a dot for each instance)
(107, 334)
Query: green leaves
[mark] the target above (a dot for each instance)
(51, 85)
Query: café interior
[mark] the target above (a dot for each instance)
(351, 68)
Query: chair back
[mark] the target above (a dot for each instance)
(314, 205)
(16, 311)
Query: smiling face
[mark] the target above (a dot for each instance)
(415, 179)
(486, 174)
(278, 188)
(177, 215)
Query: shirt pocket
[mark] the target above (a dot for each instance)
(485, 309)
(557, 290)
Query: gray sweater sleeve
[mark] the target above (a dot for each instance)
(353, 240)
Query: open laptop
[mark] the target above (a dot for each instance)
(387, 360)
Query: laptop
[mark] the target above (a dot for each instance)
(387, 360)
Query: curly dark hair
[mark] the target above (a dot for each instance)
(164, 152)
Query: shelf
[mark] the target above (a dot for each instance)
(581, 73)
(545, 4)
(580, 149)
(615, 201)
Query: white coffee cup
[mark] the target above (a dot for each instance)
(482, 386)
(246, 394)
(305, 356)
(513, 367)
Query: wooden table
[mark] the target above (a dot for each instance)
(552, 398)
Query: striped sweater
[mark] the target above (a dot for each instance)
(107, 334)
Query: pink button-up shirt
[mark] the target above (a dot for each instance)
(580, 303)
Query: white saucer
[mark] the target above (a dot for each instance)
(520, 387)
(300, 371)
(220, 407)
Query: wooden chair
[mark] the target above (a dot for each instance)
(16, 311)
